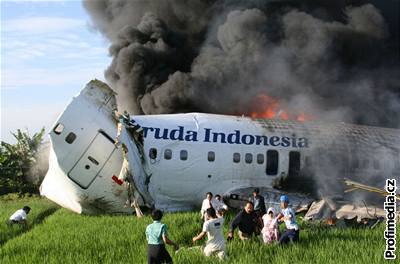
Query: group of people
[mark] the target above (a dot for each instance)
(255, 219)
(213, 202)
(252, 220)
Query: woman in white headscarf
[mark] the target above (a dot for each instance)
(270, 231)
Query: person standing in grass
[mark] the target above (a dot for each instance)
(259, 202)
(207, 203)
(157, 236)
(219, 206)
(215, 239)
(20, 216)
(288, 216)
(247, 221)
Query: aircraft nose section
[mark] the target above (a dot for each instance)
(57, 187)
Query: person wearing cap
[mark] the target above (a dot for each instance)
(258, 201)
(288, 216)
(246, 220)
(213, 227)
(270, 231)
(20, 216)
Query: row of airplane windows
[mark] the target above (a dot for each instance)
(272, 159)
(248, 157)
(271, 167)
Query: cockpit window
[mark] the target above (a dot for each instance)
(58, 129)
(70, 138)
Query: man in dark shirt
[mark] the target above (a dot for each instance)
(259, 203)
(246, 220)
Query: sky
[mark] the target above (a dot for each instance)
(49, 51)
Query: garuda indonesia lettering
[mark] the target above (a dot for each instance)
(235, 137)
(99, 160)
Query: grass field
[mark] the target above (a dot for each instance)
(59, 236)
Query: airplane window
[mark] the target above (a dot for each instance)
(260, 158)
(376, 165)
(365, 163)
(153, 153)
(248, 158)
(236, 157)
(272, 162)
(294, 164)
(167, 154)
(70, 138)
(184, 155)
(355, 164)
(332, 158)
(58, 129)
(211, 156)
(396, 161)
(308, 161)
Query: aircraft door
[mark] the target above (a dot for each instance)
(294, 164)
(92, 161)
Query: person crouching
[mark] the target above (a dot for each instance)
(20, 216)
(247, 222)
(213, 227)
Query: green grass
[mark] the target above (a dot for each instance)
(65, 237)
(41, 208)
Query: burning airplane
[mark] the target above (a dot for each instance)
(280, 78)
(100, 159)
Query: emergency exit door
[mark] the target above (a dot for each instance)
(92, 161)
(294, 164)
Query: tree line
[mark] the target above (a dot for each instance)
(19, 169)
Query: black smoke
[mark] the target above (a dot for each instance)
(335, 60)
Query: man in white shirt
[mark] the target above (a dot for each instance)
(19, 217)
(213, 227)
(219, 205)
(207, 203)
(292, 232)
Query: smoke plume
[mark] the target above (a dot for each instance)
(333, 60)
(336, 60)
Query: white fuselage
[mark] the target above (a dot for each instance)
(187, 155)
(195, 154)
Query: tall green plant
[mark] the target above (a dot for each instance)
(16, 161)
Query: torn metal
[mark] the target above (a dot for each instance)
(235, 198)
(134, 167)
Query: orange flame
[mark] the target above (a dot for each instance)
(268, 107)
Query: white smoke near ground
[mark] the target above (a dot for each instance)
(40, 164)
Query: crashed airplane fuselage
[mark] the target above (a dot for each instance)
(171, 161)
